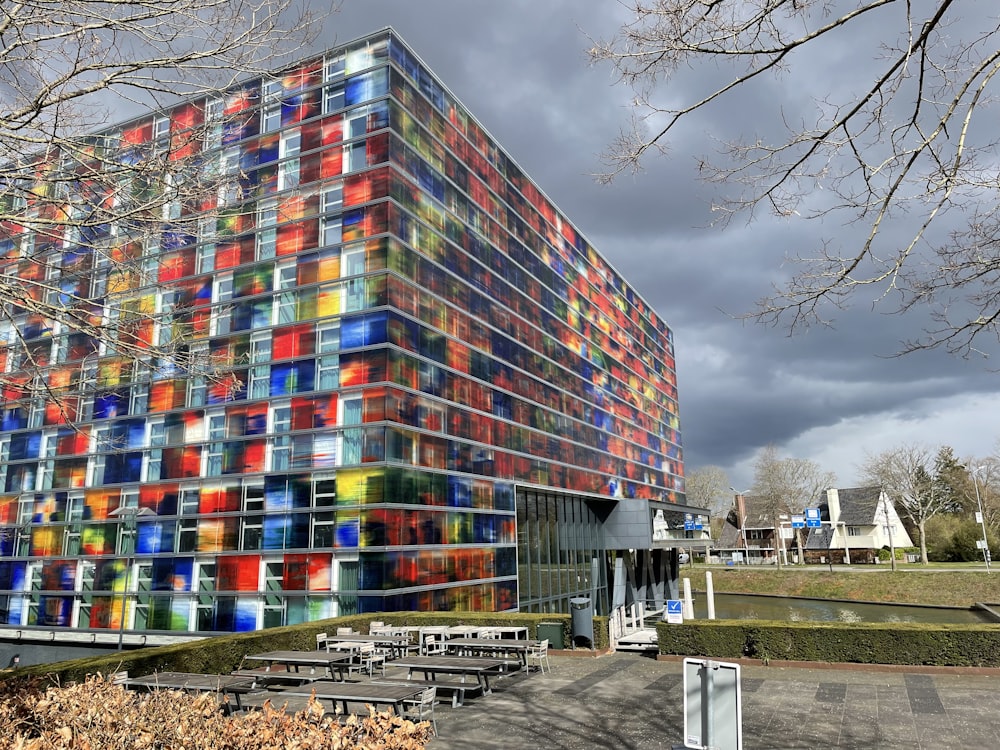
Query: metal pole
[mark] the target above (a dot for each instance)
(847, 549)
(707, 707)
(131, 523)
(982, 519)
(121, 618)
(710, 594)
(888, 528)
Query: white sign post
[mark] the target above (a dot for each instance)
(713, 714)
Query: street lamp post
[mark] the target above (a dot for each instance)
(130, 516)
(982, 518)
(741, 500)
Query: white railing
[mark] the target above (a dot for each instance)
(625, 621)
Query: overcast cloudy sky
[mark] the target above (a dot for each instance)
(521, 68)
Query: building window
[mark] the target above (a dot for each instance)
(328, 363)
(286, 281)
(332, 197)
(267, 234)
(260, 365)
(213, 124)
(189, 501)
(288, 169)
(333, 97)
(46, 467)
(156, 439)
(854, 531)
(270, 119)
(214, 450)
(281, 442)
(331, 230)
(352, 439)
(197, 366)
(222, 294)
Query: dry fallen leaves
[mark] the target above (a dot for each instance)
(98, 715)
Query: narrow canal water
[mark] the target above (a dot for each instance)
(744, 607)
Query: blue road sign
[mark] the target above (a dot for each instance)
(813, 518)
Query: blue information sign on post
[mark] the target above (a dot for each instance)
(813, 518)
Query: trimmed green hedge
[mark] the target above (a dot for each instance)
(863, 643)
(222, 654)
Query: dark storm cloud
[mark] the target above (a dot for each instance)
(521, 69)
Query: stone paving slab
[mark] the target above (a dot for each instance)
(629, 701)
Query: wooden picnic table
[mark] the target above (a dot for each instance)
(375, 693)
(462, 666)
(396, 643)
(517, 632)
(336, 664)
(490, 645)
(194, 682)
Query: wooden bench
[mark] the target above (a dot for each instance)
(277, 677)
(457, 688)
(256, 700)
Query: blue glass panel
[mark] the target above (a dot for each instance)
(484, 529)
(163, 574)
(256, 424)
(8, 535)
(282, 378)
(371, 571)
(54, 610)
(376, 325)
(175, 238)
(459, 492)
(352, 332)
(155, 537)
(305, 375)
(14, 419)
(277, 496)
(274, 531)
(106, 405)
(183, 573)
(348, 533)
(245, 617)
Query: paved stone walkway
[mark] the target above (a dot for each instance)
(633, 702)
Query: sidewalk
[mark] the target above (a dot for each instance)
(631, 702)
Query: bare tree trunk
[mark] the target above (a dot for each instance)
(923, 542)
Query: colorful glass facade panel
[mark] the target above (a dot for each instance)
(378, 329)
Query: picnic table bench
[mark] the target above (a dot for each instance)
(456, 688)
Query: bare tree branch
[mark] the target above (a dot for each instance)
(905, 145)
(907, 475)
(87, 213)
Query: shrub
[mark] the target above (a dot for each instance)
(99, 715)
(864, 643)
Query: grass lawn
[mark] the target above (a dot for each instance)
(954, 587)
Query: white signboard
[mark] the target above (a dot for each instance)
(675, 612)
(713, 714)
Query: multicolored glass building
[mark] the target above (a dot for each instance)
(404, 379)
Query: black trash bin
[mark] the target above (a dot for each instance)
(582, 609)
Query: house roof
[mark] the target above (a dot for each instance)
(757, 517)
(858, 505)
